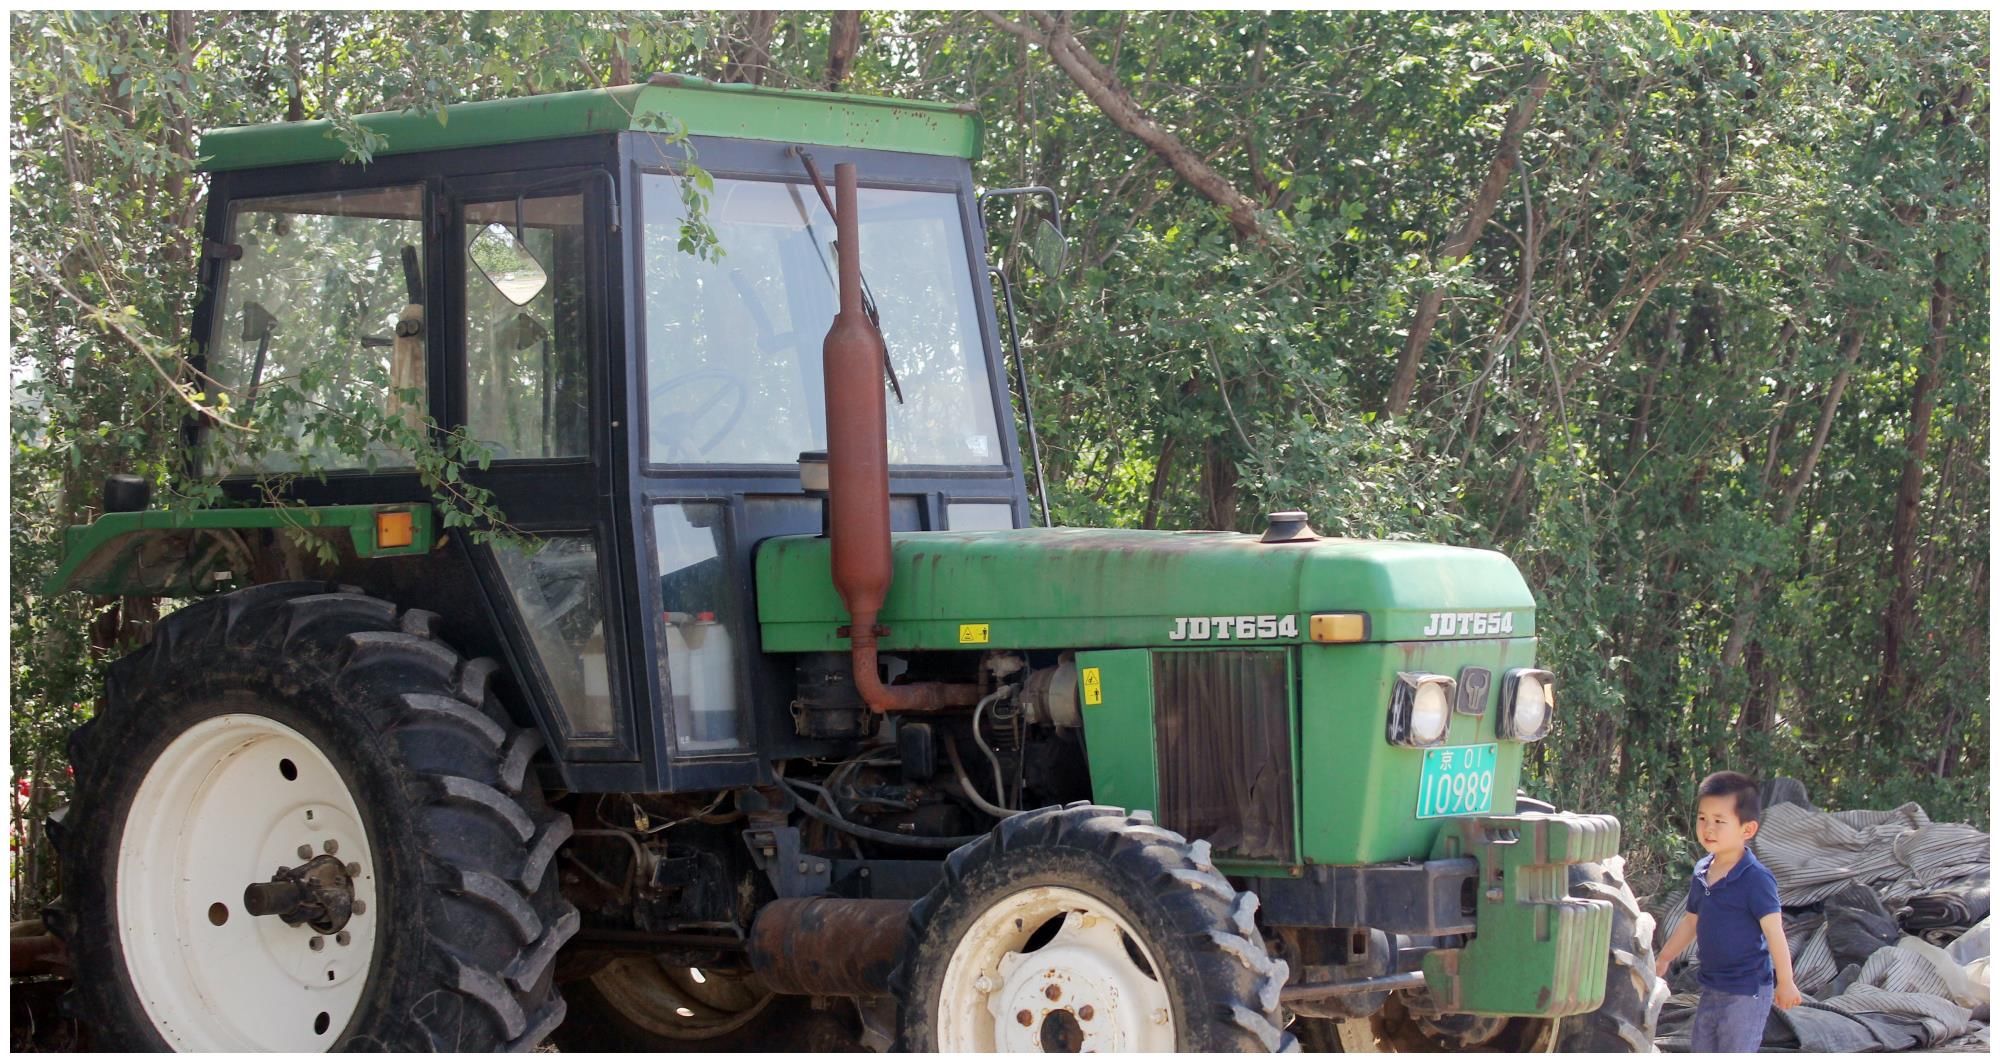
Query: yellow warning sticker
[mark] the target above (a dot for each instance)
(1093, 687)
(972, 633)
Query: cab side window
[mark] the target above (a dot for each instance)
(321, 317)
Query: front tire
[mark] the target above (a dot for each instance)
(1633, 993)
(297, 722)
(1087, 929)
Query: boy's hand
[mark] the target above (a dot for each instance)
(1660, 966)
(1787, 995)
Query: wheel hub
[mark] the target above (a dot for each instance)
(319, 892)
(1077, 992)
(1056, 971)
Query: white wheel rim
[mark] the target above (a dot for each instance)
(227, 803)
(1081, 991)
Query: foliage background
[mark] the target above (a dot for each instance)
(1712, 365)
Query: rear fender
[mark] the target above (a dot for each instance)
(164, 553)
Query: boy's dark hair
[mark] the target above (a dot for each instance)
(1749, 802)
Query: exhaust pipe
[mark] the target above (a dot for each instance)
(857, 444)
(828, 946)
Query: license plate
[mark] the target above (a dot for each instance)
(1457, 781)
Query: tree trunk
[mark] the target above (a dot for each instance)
(1753, 588)
(749, 55)
(295, 97)
(1218, 486)
(181, 195)
(1152, 517)
(842, 42)
(1642, 421)
(621, 60)
(1901, 610)
(1505, 156)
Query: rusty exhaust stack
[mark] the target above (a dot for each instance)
(857, 445)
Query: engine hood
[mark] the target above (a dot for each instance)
(1076, 588)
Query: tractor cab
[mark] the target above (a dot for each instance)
(638, 349)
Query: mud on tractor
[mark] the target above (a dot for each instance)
(792, 729)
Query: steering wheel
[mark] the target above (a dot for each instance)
(674, 431)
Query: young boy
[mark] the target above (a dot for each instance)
(1732, 909)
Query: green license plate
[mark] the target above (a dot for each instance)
(1457, 781)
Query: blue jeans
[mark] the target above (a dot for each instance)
(1730, 1022)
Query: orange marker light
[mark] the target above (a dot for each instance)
(394, 528)
(1338, 627)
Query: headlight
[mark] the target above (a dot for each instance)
(1527, 704)
(1420, 710)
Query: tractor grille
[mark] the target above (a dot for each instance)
(1224, 745)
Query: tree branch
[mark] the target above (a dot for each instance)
(1109, 94)
(109, 322)
(1505, 156)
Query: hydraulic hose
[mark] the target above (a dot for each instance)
(839, 823)
(971, 792)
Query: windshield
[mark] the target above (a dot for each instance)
(733, 347)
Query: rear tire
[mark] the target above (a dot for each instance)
(1147, 946)
(642, 1004)
(308, 713)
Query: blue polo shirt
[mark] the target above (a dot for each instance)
(1734, 958)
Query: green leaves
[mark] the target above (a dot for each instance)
(1717, 198)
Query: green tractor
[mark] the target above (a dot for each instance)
(789, 729)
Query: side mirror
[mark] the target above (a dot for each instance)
(507, 264)
(1049, 248)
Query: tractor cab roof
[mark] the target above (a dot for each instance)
(666, 103)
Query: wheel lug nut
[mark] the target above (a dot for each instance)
(331, 846)
(317, 943)
(1086, 1013)
(983, 984)
(1053, 992)
(305, 852)
(354, 871)
(344, 937)
(360, 907)
(1025, 1017)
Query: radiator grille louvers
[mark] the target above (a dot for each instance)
(1224, 748)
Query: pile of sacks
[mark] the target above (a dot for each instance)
(1886, 914)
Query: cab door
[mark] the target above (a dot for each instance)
(526, 263)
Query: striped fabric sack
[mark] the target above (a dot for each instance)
(1941, 1019)
(1898, 852)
